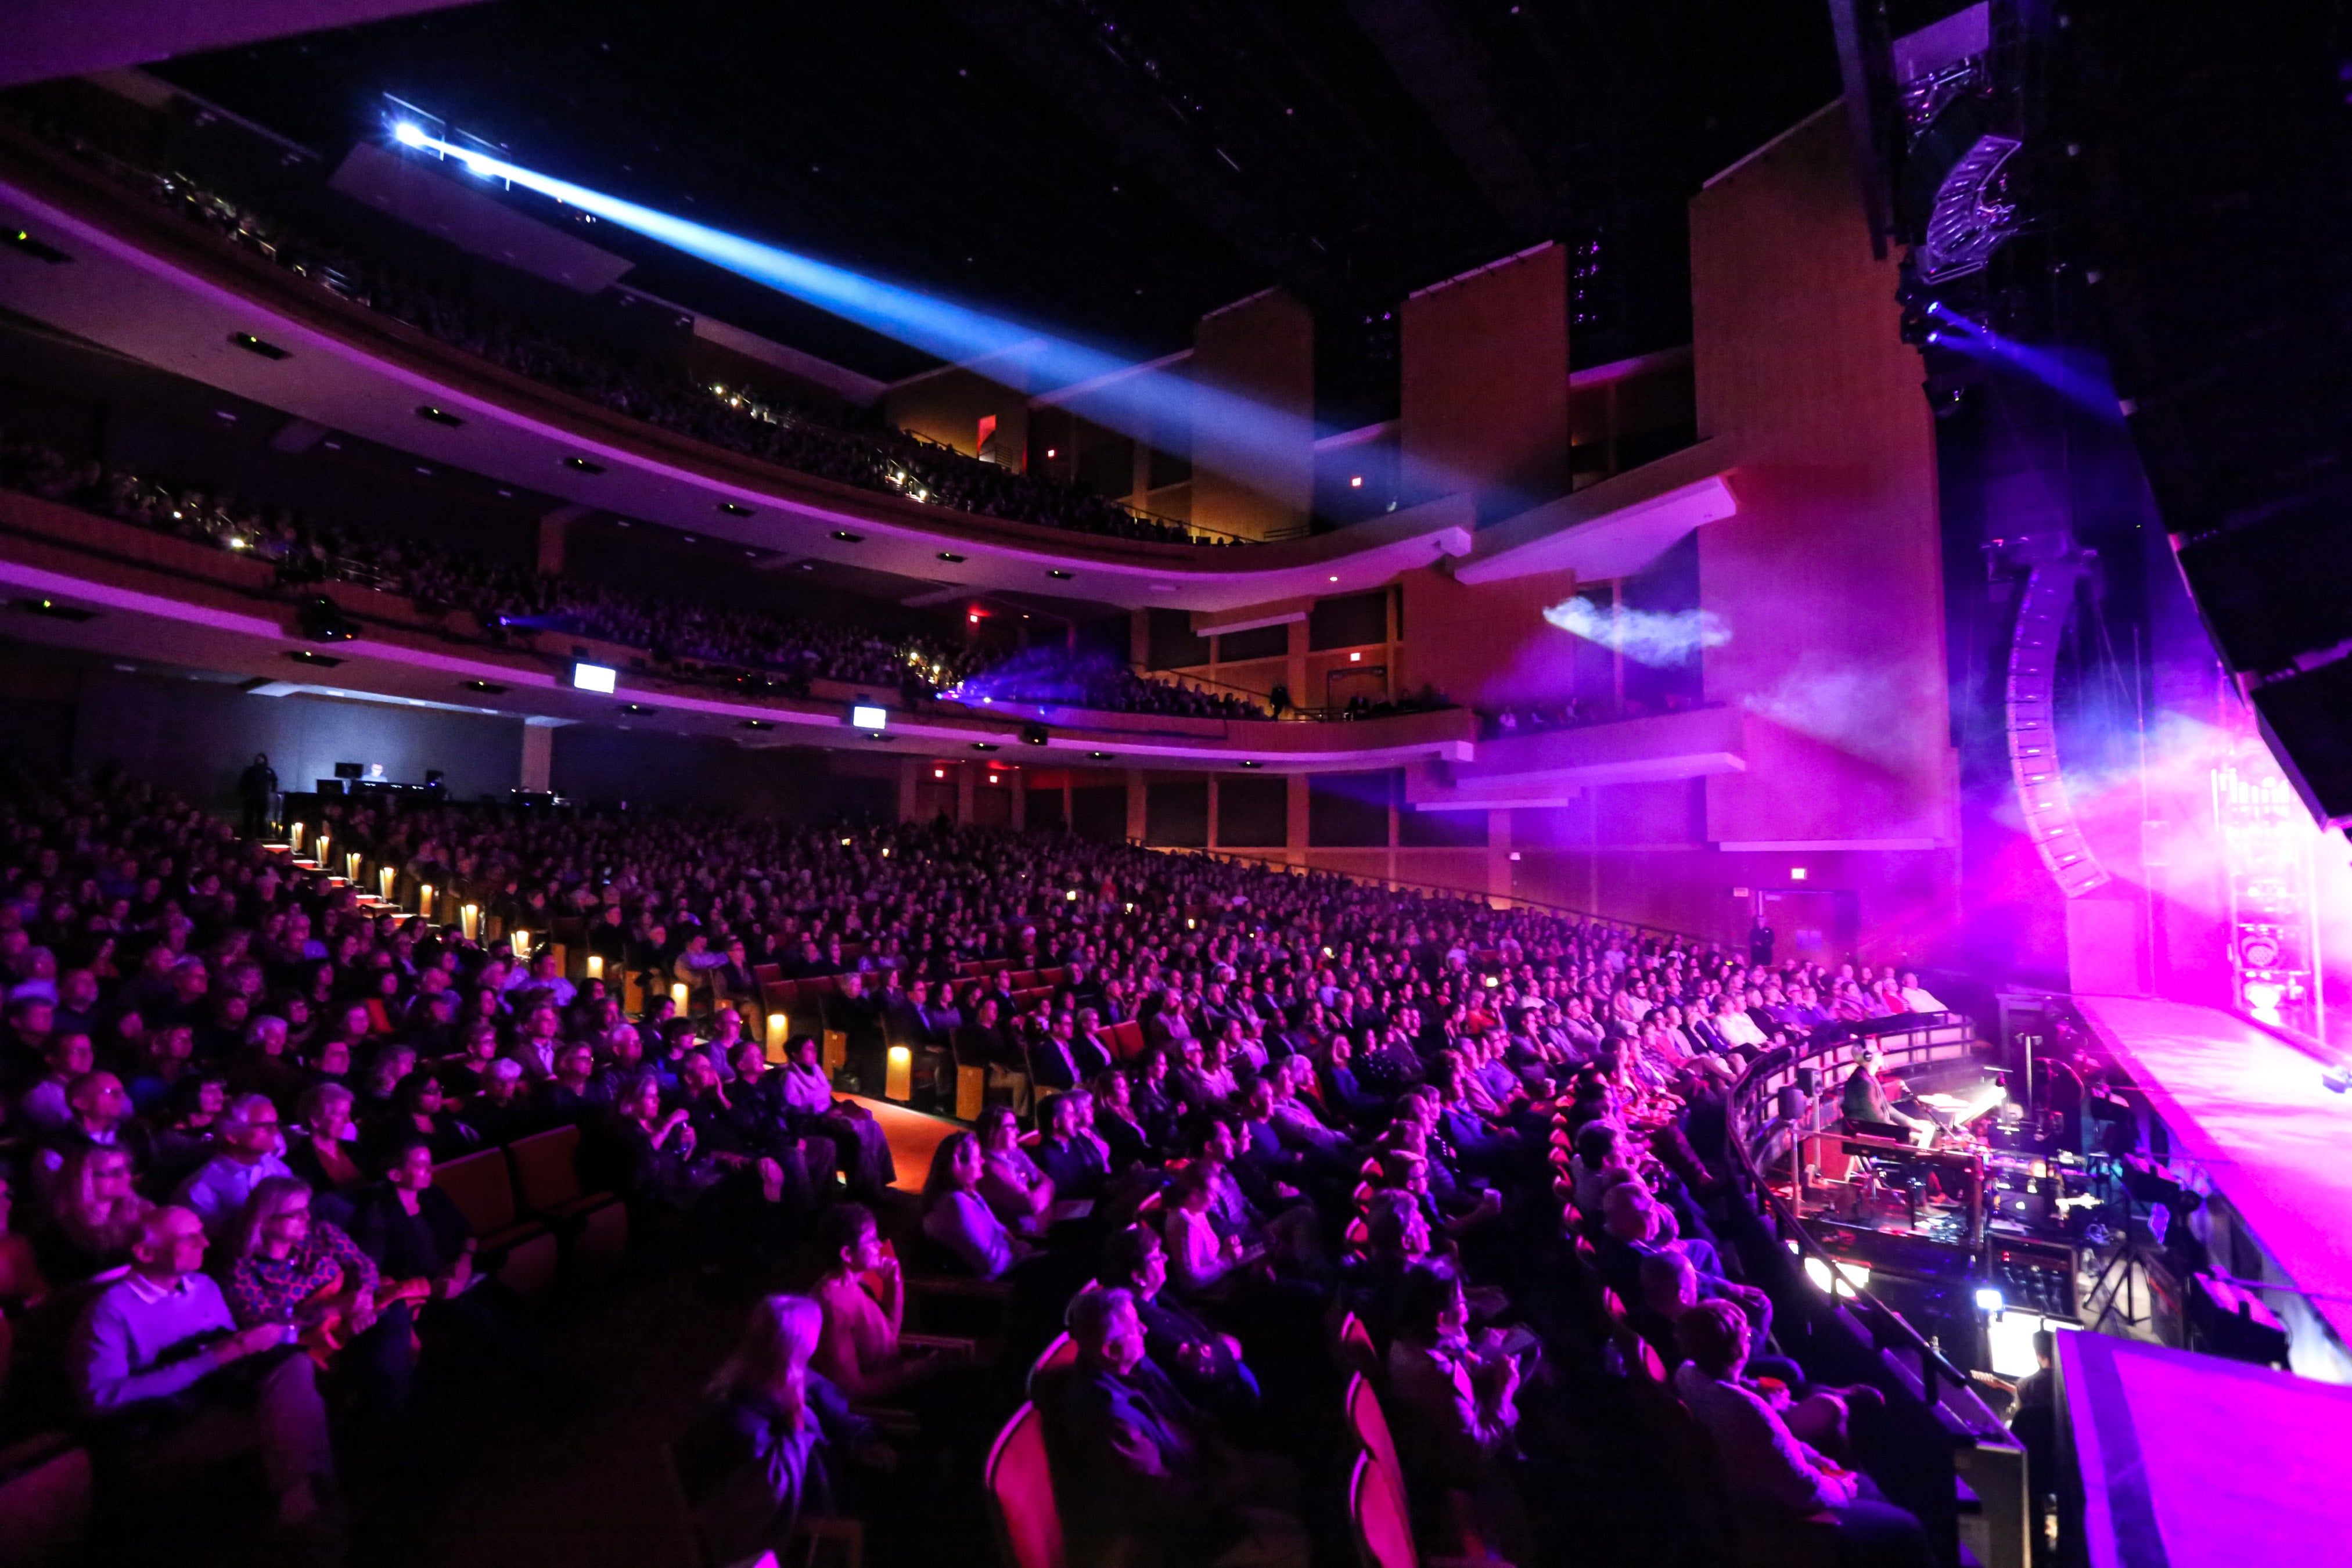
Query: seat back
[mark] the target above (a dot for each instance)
(1061, 1351)
(1358, 1354)
(478, 1185)
(1020, 1494)
(546, 1167)
(1129, 1037)
(1376, 1511)
(1371, 1428)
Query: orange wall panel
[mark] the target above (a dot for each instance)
(1485, 373)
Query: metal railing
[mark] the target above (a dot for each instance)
(1752, 1136)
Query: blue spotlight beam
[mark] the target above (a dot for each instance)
(1267, 442)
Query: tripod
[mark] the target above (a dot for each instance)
(2120, 1279)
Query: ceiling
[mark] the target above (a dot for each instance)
(1110, 169)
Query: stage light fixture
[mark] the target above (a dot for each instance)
(1989, 1298)
(594, 676)
(865, 716)
(409, 135)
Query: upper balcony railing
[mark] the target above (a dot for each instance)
(868, 455)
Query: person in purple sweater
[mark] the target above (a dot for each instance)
(173, 1387)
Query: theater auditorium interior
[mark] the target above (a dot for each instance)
(1171, 783)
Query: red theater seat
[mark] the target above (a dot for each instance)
(1020, 1494)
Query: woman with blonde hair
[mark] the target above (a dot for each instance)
(93, 1215)
(773, 1436)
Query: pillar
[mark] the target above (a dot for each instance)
(965, 779)
(1293, 668)
(537, 755)
(555, 536)
(1135, 811)
(1294, 829)
(1139, 638)
(1498, 858)
(1212, 811)
(1019, 779)
(910, 773)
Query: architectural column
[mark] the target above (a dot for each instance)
(538, 754)
(1020, 782)
(1294, 668)
(1136, 818)
(555, 536)
(1498, 858)
(910, 771)
(1294, 828)
(1212, 811)
(965, 779)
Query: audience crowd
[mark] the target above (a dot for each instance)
(1214, 1110)
(685, 636)
(850, 445)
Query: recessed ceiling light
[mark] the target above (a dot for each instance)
(582, 465)
(1252, 764)
(484, 686)
(757, 724)
(1335, 579)
(983, 745)
(732, 510)
(842, 536)
(1100, 756)
(304, 656)
(1057, 574)
(254, 346)
(433, 414)
(951, 557)
(641, 708)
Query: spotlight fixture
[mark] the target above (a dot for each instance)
(582, 465)
(1033, 734)
(1099, 756)
(951, 557)
(842, 536)
(1252, 764)
(1057, 574)
(434, 415)
(254, 346)
(757, 724)
(484, 686)
(635, 708)
(318, 660)
(732, 510)
(983, 745)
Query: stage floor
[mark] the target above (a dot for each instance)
(2190, 1461)
(2251, 1109)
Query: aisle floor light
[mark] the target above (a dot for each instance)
(385, 881)
(678, 997)
(898, 1075)
(595, 966)
(425, 899)
(470, 920)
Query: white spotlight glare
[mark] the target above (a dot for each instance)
(594, 676)
(408, 135)
(1989, 1298)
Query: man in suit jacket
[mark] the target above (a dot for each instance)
(1136, 1464)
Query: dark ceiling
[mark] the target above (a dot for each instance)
(1108, 168)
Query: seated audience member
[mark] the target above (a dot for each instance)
(179, 1389)
(1014, 1186)
(1137, 1468)
(959, 1219)
(1074, 1164)
(1773, 1478)
(1455, 1408)
(1125, 1140)
(864, 1297)
(244, 1143)
(861, 1149)
(326, 1157)
(306, 1275)
(777, 1440)
(1203, 1259)
(92, 1217)
(1205, 1363)
(659, 1170)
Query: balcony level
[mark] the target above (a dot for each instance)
(109, 266)
(1554, 768)
(78, 581)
